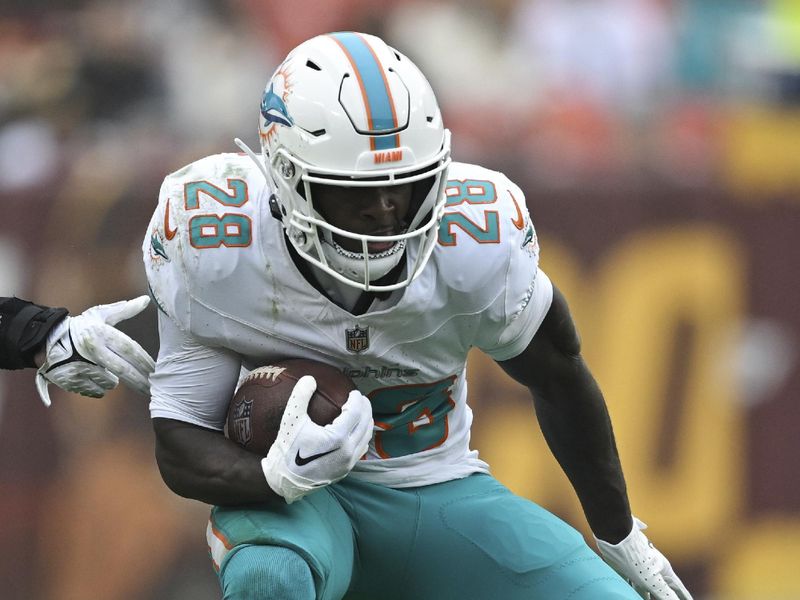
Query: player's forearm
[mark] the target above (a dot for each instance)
(204, 465)
(575, 422)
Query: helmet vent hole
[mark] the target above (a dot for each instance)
(397, 56)
(429, 119)
(312, 65)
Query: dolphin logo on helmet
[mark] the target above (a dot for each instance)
(273, 108)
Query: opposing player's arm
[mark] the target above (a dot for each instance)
(85, 354)
(574, 420)
(24, 327)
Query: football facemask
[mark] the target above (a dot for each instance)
(346, 109)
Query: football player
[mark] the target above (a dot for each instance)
(352, 239)
(84, 354)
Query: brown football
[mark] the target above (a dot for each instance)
(254, 414)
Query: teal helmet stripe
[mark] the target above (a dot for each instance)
(375, 90)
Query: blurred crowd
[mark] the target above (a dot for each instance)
(99, 99)
(617, 90)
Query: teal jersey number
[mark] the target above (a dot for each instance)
(237, 197)
(231, 230)
(470, 191)
(211, 231)
(489, 233)
(411, 418)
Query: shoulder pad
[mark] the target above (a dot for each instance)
(486, 223)
(207, 214)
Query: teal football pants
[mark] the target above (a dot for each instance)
(464, 539)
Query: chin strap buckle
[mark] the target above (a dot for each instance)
(274, 207)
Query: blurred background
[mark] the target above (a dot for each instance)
(658, 142)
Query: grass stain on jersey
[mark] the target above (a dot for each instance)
(275, 309)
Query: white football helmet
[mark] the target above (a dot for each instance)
(345, 109)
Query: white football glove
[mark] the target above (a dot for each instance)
(88, 355)
(307, 456)
(648, 571)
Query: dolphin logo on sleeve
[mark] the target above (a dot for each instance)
(158, 248)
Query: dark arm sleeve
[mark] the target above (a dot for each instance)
(23, 330)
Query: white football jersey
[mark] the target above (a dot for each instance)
(218, 266)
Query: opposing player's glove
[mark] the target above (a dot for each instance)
(307, 456)
(88, 355)
(647, 570)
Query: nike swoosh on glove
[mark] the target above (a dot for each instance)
(89, 356)
(307, 456)
(648, 571)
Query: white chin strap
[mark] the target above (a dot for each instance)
(353, 265)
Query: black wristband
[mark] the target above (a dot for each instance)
(23, 330)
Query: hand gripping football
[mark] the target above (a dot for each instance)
(254, 414)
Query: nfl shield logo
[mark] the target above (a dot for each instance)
(241, 421)
(357, 339)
